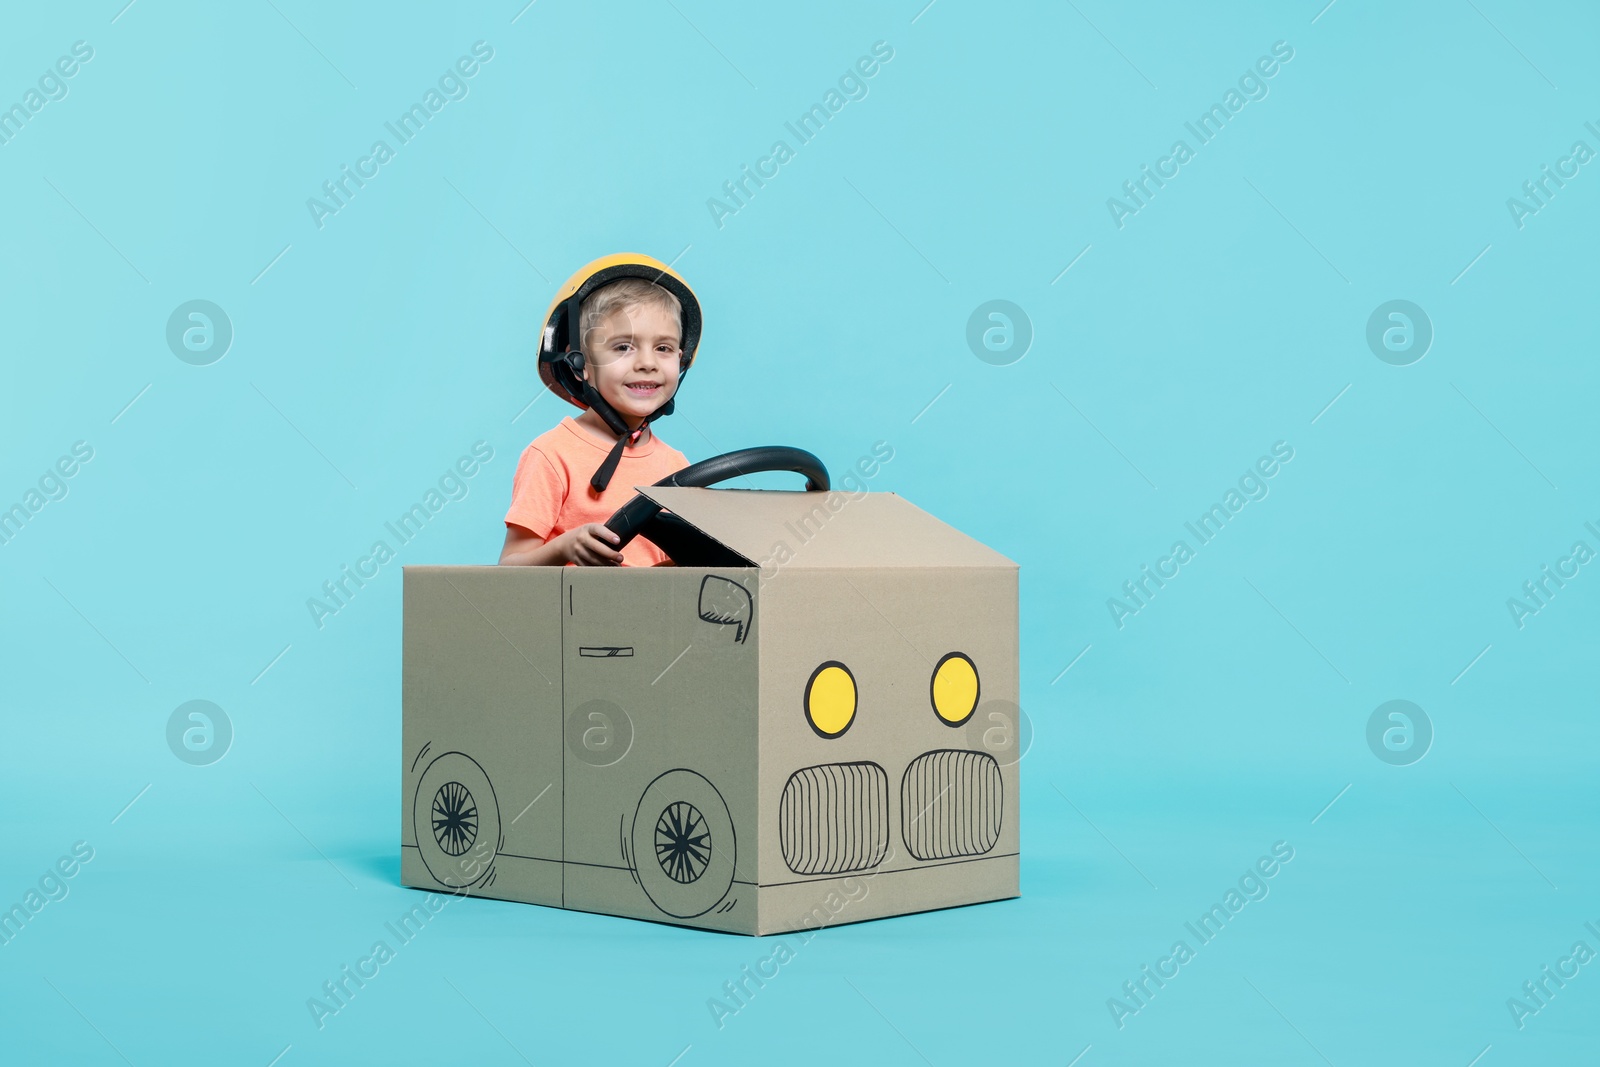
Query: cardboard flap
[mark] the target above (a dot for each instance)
(833, 529)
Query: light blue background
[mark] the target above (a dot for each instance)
(1223, 317)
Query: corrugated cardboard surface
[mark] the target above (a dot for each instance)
(686, 686)
(834, 529)
(878, 894)
(890, 628)
(482, 688)
(634, 741)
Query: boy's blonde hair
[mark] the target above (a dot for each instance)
(623, 294)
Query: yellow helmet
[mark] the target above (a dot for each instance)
(560, 348)
(558, 340)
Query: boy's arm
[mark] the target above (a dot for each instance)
(588, 545)
(537, 492)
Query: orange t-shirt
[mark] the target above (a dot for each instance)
(551, 494)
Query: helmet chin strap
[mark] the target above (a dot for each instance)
(625, 436)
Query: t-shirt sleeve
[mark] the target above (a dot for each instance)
(537, 492)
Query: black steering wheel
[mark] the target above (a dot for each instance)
(633, 517)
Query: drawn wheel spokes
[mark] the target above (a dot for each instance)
(455, 818)
(683, 842)
(684, 823)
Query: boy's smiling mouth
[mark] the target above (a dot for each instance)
(643, 388)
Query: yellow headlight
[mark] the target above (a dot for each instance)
(830, 699)
(954, 689)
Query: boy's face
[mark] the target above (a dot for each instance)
(632, 358)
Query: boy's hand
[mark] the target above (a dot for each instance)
(589, 545)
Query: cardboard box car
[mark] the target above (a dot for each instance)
(804, 722)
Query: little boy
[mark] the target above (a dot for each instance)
(617, 340)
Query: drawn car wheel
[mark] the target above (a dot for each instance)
(683, 846)
(456, 819)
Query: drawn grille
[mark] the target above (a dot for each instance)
(950, 804)
(834, 818)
